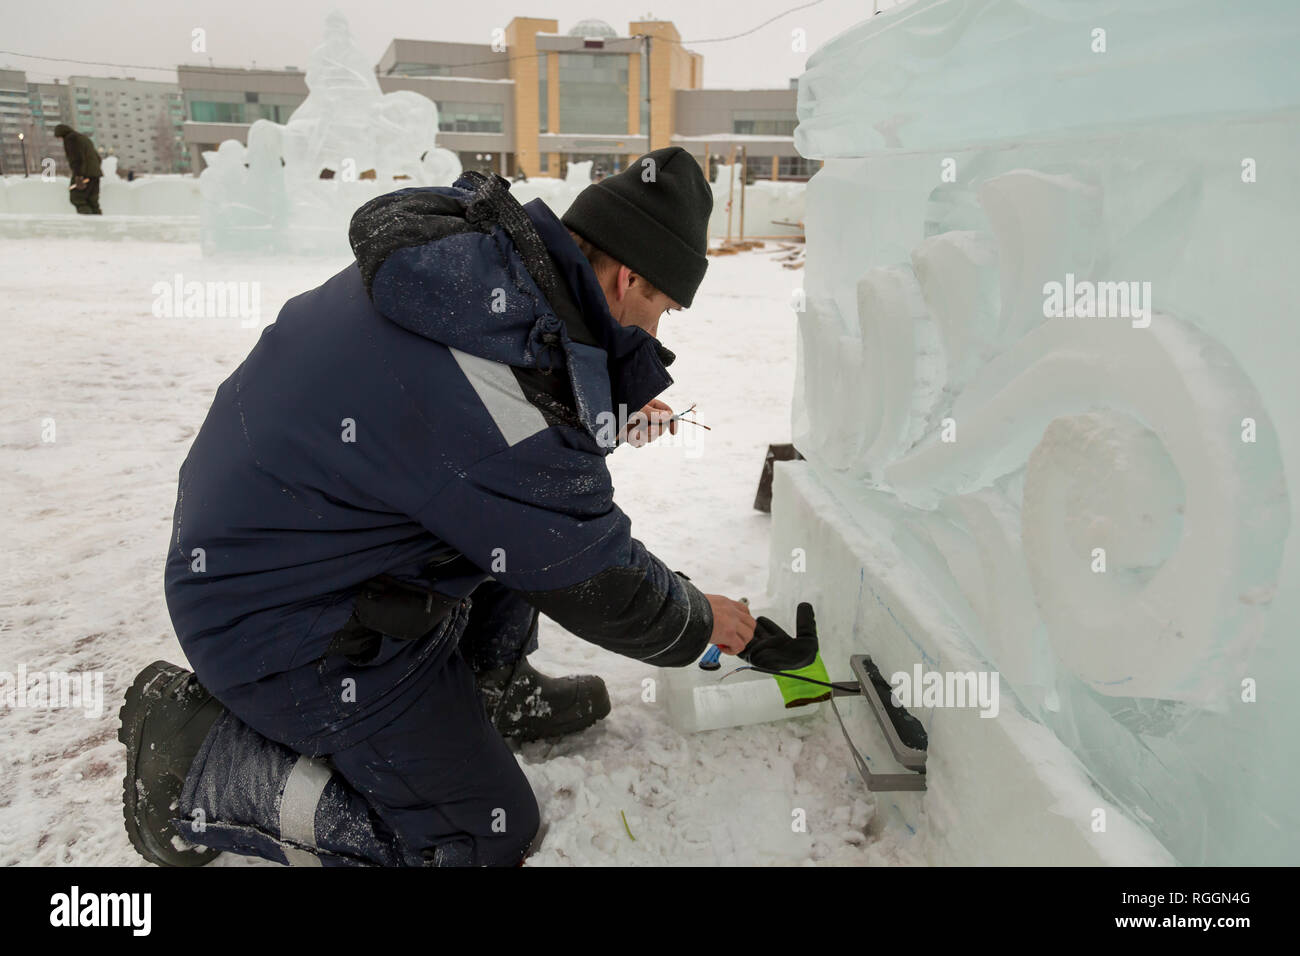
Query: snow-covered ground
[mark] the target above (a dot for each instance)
(85, 518)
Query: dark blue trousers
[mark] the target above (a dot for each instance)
(392, 762)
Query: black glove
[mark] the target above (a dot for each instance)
(772, 649)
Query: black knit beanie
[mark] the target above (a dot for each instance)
(653, 217)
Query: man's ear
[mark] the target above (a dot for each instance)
(622, 281)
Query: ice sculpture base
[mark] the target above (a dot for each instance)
(702, 700)
(106, 227)
(1001, 790)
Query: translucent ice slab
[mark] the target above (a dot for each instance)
(1089, 497)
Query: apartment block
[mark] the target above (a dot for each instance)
(138, 121)
(15, 120)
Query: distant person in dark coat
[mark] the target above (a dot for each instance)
(83, 161)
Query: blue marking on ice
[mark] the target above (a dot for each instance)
(862, 583)
(910, 829)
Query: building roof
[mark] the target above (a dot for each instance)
(592, 27)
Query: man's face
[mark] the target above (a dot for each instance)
(629, 303)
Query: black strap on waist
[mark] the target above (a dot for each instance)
(389, 606)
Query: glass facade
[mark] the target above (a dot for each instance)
(763, 122)
(275, 112)
(644, 129)
(543, 100)
(797, 167)
(207, 112)
(593, 92)
(225, 107)
(470, 117)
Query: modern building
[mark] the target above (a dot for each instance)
(220, 103)
(758, 122)
(474, 91)
(139, 121)
(31, 110)
(50, 105)
(542, 100)
(591, 94)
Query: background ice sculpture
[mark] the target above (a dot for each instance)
(270, 196)
(967, 454)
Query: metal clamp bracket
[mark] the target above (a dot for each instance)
(905, 735)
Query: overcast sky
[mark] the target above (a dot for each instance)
(279, 33)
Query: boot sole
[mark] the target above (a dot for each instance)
(145, 689)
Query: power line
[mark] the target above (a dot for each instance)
(736, 36)
(63, 59)
(236, 71)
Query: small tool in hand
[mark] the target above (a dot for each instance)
(690, 421)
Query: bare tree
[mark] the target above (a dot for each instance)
(164, 143)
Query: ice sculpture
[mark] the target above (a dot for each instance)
(294, 187)
(578, 175)
(771, 208)
(175, 197)
(698, 699)
(1048, 401)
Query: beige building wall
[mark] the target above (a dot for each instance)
(524, 62)
(634, 94)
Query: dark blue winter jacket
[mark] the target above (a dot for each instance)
(428, 401)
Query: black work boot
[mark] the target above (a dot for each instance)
(525, 705)
(165, 719)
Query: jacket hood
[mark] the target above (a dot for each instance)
(466, 285)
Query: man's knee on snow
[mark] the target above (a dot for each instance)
(512, 824)
(251, 795)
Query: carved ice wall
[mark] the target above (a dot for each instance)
(967, 455)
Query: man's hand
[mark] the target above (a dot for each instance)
(774, 650)
(649, 423)
(732, 624)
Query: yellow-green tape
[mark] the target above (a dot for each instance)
(797, 693)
